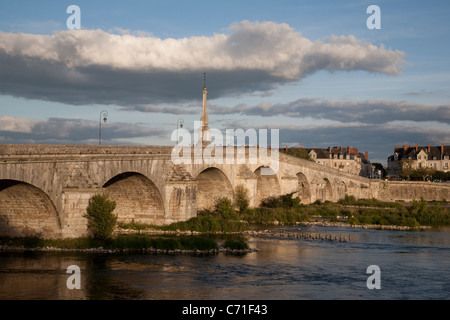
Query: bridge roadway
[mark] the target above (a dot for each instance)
(45, 189)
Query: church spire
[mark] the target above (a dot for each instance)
(204, 119)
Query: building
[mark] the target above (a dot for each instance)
(346, 159)
(419, 157)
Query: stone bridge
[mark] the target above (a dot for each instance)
(45, 189)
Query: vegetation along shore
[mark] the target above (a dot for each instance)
(222, 228)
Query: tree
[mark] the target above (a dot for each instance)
(379, 166)
(241, 199)
(101, 220)
(420, 174)
(440, 175)
(407, 168)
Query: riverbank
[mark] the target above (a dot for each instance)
(129, 243)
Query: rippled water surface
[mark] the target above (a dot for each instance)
(414, 265)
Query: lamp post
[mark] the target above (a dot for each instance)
(179, 124)
(103, 114)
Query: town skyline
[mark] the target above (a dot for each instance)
(315, 72)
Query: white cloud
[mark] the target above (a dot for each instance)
(12, 124)
(94, 66)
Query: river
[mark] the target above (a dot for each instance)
(412, 265)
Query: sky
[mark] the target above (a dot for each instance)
(311, 69)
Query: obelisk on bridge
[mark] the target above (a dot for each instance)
(204, 129)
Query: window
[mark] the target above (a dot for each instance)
(419, 157)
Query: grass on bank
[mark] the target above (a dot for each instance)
(121, 242)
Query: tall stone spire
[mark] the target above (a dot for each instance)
(204, 119)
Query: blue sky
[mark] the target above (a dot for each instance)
(309, 68)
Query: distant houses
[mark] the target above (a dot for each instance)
(345, 159)
(415, 157)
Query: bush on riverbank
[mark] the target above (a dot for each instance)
(235, 244)
(101, 220)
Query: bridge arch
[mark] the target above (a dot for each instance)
(267, 184)
(137, 198)
(304, 189)
(327, 190)
(341, 189)
(212, 185)
(26, 210)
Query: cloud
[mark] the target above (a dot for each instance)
(70, 131)
(368, 111)
(96, 67)
(11, 124)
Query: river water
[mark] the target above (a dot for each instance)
(413, 265)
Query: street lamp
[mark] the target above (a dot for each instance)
(103, 114)
(179, 124)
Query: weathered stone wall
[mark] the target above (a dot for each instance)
(408, 191)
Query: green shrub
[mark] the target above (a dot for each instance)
(238, 244)
(198, 243)
(223, 206)
(101, 220)
(283, 201)
(241, 198)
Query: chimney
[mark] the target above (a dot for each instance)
(348, 149)
(367, 155)
(405, 147)
(442, 149)
(417, 148)
(429, 147)
(340, 151)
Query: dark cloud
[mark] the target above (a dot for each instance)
(71, 131)
(369, 111)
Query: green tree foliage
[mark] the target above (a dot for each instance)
(224, 207)
(241, 198)
(283, 201)
(101, 220)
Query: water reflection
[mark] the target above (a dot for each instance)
(414, 265)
